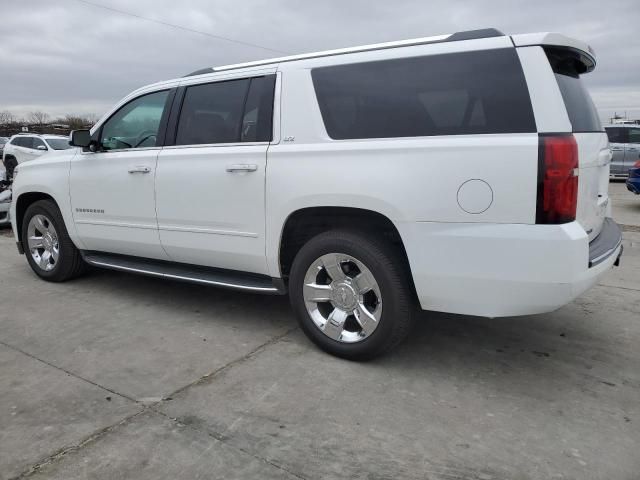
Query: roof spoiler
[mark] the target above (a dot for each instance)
(556, 44)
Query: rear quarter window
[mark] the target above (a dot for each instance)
(583, 114)
(476, 92)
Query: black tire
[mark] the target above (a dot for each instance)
(10, 164)
(69, 264)
(388, 268)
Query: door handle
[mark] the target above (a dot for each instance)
(140, 169)
(616, 149)
(242, 168)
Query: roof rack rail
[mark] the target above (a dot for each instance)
(455, 37)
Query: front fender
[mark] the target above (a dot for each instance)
(49, 177)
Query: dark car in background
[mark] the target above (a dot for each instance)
(633, 182)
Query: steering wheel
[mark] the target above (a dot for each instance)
(144, 136)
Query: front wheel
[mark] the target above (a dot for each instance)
(351, 294)
(47, 246)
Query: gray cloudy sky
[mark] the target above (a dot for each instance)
(65, 56)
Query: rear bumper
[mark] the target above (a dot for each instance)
(494, 270)
(607, 243)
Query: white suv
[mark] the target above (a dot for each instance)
(464, 173)
(29, 146)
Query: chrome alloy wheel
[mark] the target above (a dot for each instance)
(42, 240)
(342, 297)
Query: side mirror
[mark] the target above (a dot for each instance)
(41, 147)
(80, 138)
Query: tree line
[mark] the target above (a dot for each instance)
(9, 121)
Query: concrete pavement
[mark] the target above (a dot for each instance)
(118, 376)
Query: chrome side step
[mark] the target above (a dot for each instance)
(250, 282)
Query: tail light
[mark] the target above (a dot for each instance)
(557, 179)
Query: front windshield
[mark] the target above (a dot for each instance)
(58, 143)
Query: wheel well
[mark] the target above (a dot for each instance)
(23, 203)
(304, 224)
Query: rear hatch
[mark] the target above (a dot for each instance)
(594, 156)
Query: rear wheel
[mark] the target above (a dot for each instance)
(48, 248)
(351, 294)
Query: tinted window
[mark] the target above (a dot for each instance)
(451, 94)
(136, 124)
(257, 120)
(37, 142)
(26, 142)
(582, 112)
(616, 134)
(227, 112)
(634, 135)
(211, 113)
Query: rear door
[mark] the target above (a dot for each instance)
(617, 140)
(632, 149)
(593, 145)
(210, 183)
(24, 151)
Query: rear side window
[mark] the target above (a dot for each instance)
(257, 120)
(451, 94)
(582, 112)
(227, 112)
(616, 134)
(26, 142)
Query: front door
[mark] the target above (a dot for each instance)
(210, 184)
(112, 190)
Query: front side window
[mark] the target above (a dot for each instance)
(136, 124)
(227, 112)
(58, 143)
(38, 144)
(449, 94)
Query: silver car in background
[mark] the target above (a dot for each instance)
(624, 141)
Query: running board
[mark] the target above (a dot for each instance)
(250, 282)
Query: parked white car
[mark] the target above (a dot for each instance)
(463, 173)
(29, 146)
